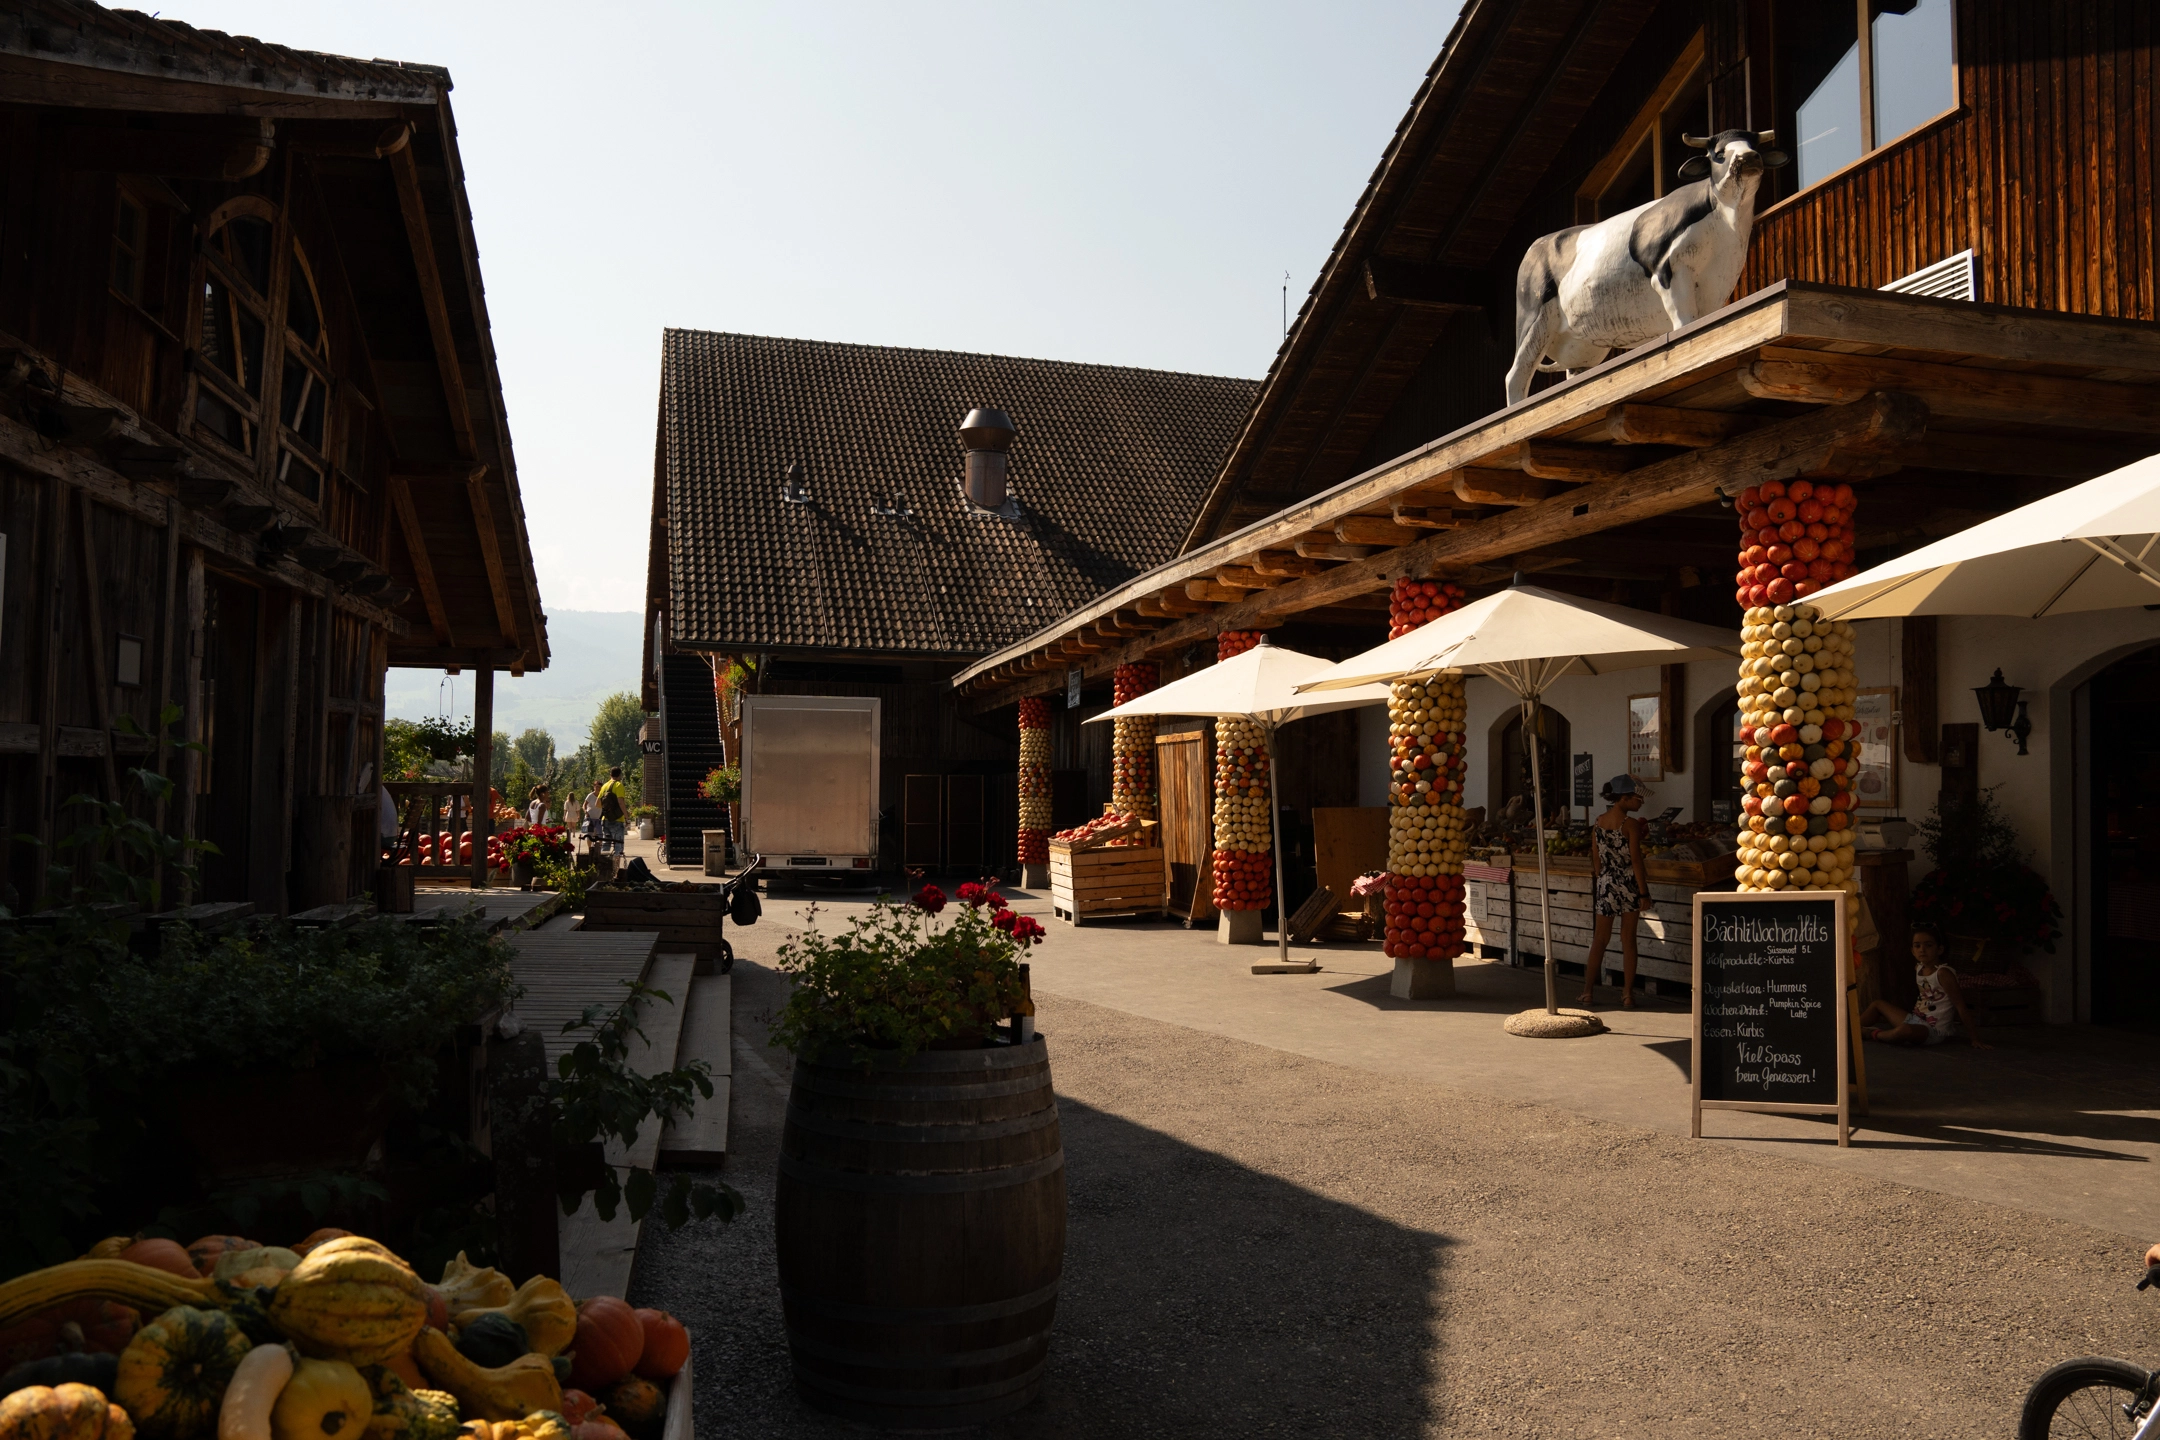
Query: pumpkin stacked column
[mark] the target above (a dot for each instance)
(1796, 690)
(1423, 887)
(1132, 748)
(1244, 839)
(1034, 837)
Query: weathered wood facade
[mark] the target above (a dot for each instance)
(252, 443)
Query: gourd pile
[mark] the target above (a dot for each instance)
(1110, 822)
(1427, 834)
(1244, 838)
(1132, 748)
(334, 1338)
(1232, 643)
(1796, 692)
(1034, 781)
(1795, 537)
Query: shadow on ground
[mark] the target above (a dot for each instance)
(1200, 1297)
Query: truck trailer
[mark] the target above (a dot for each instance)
(810, 782)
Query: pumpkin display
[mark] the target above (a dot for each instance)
(609, 1342)
(142, 1287)
(109, 1248)
(324, 1400)
(577, 1407)
(244, 1413)
(638, 1405)
(173, 1374)
(166, 1255)
(491, 1338)
(96, 1371)
(409, 1412)
(667, 1345)
(466, 1286)
(1034, 782)
(596, 1426)
(540, 1425)
(62, 1412)
(1132, 745)
(1795, 694)
(99, 1326)
(319, 1237)
(542, 1310)
(1232, 643)
(1428, 833)
(1242, 866)
(352, 1300)
(505, 1392)
(207, 1251)
(252, 1269)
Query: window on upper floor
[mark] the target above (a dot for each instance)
(1861, 75)
(1645, 164)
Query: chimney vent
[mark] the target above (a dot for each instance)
(794, 485)
(988, 434)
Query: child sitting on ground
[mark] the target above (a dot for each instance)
(1939, 1012)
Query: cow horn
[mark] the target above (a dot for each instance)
(1699, 142)
(1766, 137)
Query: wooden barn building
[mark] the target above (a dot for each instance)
(253, 447)
(1948, 303)
(812, 515)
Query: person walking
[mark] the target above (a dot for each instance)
(573, 816)
(1620, 886)
(592, 815)
(614, 802)
(536, 811)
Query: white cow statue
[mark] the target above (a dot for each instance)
(1582, 293)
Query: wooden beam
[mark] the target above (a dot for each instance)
(1275, 563)
(1668, 425)
(224, 150)
(1330, 550)
(483, 813)
(414, 208)
(483, 514)
(1577, 464)
(1241, 577)
(423, 568)
(1500, 487)
(447, 657)
(1372, 530)
(351, 139)
(1410, 282)
(1960, 391)
(97, 661)
(1207, 589)
(1433, 517)
(2015, 455)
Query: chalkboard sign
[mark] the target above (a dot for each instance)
(1770, 1012)
(1585, 779)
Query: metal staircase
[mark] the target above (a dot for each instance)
(692, 735)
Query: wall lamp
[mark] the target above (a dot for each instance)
(2001, 709)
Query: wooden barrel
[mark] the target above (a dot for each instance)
(920, 1223)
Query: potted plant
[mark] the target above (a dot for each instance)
(647, 818)
(1981, 891)
(921, 1171)
(525, 847)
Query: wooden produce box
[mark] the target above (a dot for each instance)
(689, 922)
(1119, 880)
(1665, 934)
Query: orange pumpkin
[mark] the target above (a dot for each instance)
(319, 1237)
(407, 1369)
(639, 1405)
(63, 1412)
(163, 1255)
(609, 1342)
(667, 1345)
(207, 1251)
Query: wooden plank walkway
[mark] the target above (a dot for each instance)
(563, 971)
(700, 1138)
(503, 908)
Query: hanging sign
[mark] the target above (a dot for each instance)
(1072, 688)
(1585, 779)
(1770, 1014)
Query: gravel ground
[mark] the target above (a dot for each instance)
(1264, 1244)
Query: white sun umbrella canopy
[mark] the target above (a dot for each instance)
(1258, 685)
(2091, 547)
(1526, 638)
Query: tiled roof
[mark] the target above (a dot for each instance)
(1108, 470)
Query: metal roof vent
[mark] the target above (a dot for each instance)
(795, 485)
(988, 435)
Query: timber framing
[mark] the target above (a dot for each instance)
(1794, 380)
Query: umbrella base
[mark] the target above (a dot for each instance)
(1422, 979)
(1237, 927)
(1294, 967)
(1567, 1025)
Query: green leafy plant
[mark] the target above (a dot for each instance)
(1982, 883)
(561, 875)
(445, 739)
(722, 784)
(598, 1097)
(894, 982)
(644, 812)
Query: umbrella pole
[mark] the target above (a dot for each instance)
(1274, 808)
(1537, 829)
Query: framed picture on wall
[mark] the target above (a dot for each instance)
(1875, 780)
(1644, 760)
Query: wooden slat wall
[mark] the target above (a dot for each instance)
(2046, 172)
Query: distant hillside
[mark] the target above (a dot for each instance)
(593, 654)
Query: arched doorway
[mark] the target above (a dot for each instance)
(1717, 772)
(1511, 762)
(2123, 912)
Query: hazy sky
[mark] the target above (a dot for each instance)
(1107, 181)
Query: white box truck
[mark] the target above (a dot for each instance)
(810, 782)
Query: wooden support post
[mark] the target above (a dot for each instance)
(193, 719)
(55, 587)
(101, 675)
(168, 627)
(483, 811)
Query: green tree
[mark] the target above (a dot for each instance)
(499, 762)
(518, 782)
(405, 752)
(614, 736)
(537, 748)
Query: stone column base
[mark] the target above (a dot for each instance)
(1422, 979)
(1237, 927)
(1034, 876)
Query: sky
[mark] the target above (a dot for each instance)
(1113, 182)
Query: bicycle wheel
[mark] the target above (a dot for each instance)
(2085, 1398)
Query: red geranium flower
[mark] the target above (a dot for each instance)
(971, 894)
(1028, 930)
(929, 900)
(1004, 920)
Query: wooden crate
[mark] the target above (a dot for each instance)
(1112, 881)
(687, 921)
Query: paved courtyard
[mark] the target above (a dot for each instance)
(1298, 1207)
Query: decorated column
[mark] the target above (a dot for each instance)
(1132, 748)
(1795, 690)
(1244, 838)
(1427, 835)
(1034, 838)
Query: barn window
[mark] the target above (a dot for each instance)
(1862, 77)
(304, 385)
(1646, 161)
(234, 341)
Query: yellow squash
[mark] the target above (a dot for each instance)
(350, 1300)
(144, 1287)
(324, 1400)
(508, 1392)
(466, 1286)
(542, 1308)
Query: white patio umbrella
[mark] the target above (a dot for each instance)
(1526, 638)
(1258, 685)
(2090, 547)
